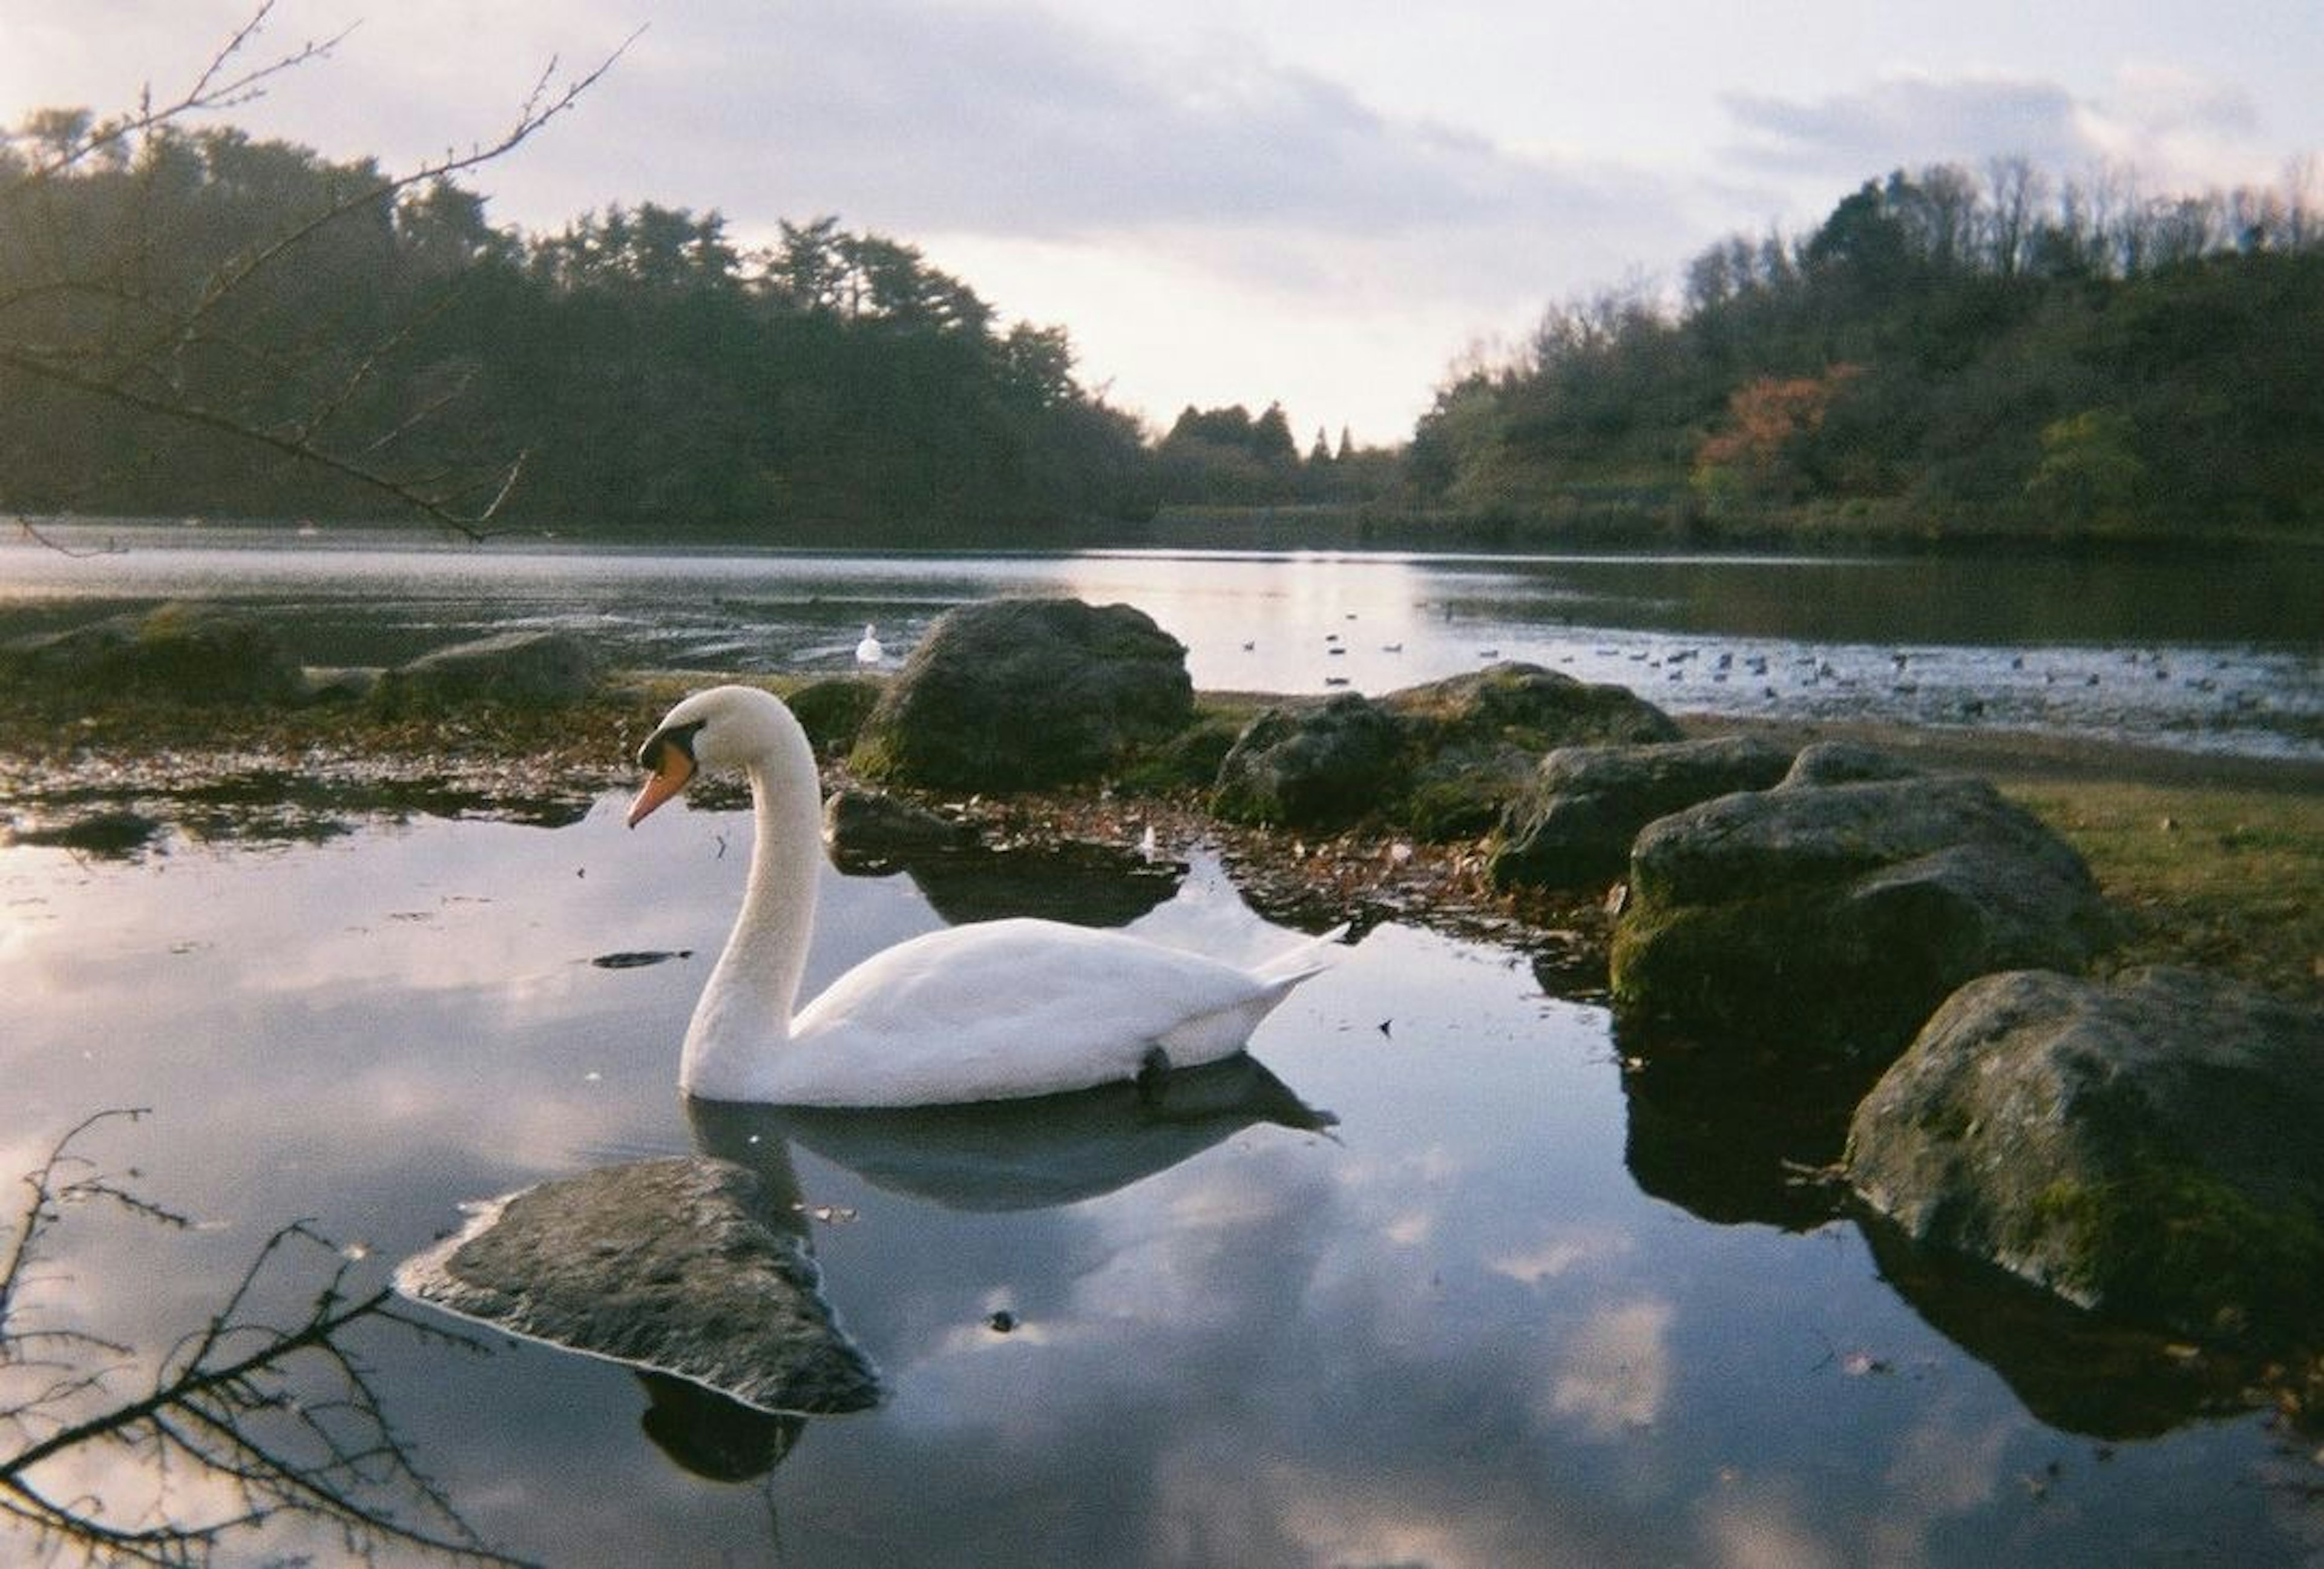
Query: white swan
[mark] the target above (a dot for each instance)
(992, 1011)
(869, 652)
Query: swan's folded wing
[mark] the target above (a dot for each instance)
(1010, 1008)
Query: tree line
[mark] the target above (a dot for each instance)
(188, 318)
(1946, 355)
(192, 319)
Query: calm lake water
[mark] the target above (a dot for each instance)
(1527, 1302)
(1519, 1306)
(2223, 652)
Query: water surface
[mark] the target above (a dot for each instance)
(2217, 652)
(1458, 1328)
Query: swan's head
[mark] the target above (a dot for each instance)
(722, 727)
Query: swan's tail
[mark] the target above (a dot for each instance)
(1208, 1036)
(1296, 964)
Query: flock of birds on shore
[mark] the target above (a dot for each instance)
(1802, 671)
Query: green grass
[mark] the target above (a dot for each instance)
(2230, 880)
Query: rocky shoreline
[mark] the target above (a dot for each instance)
(1774, 913)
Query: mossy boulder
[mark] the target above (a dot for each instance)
(1836, 917)
(832, 711)
(1575, 822)
(178, 652)
(1441, 760)
(1024, 694)
(1318, 765)
(1475, 740)
(2147, 1147)
(538, 669)
(1188, 760)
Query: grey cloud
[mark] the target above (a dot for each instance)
(1017, 122)
(1909, 122)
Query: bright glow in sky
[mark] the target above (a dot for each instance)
(1321, 202)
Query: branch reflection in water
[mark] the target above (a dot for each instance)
(251, 1429)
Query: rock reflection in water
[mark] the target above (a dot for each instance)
(1091, 885)
(1728, 1130)
(2074, 1369)
(711, 1435)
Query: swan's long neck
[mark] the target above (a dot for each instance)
(743, 1019)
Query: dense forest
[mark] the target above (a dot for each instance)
(190, 319)
(1944, 356)
(185, 321)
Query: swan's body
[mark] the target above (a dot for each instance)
(869, 652)
(992, 1011)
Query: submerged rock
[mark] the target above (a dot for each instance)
(2147, 1147)
(1836, 917)
(669, 1266)
(525, 669)
(1575, 824)
(1022, 694)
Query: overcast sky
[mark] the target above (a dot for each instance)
(1321, 202)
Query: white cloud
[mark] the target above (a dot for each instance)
(1613, 1374)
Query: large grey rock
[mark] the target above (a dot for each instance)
(1314, 765)
(1019, 693)
(1836, 917)
(1475, 740)
(521, 669)
(669, 1266)
(182, 652)
(1576, 822)
(2150, 1147)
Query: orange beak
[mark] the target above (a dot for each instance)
(672, 768)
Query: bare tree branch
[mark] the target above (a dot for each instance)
(138, 366)
(288, 1416)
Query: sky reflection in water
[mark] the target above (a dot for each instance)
(1452, 1330)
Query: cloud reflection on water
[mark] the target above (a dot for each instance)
(1451, 1328)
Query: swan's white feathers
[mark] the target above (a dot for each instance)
(1013, 1008)
(992, 1011)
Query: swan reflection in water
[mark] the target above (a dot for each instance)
(645, 1263)
(1016, 1155)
